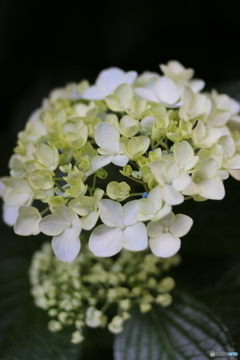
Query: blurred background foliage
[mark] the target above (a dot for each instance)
(46, 44)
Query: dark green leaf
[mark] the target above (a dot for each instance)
(185, 330)
(23, 327)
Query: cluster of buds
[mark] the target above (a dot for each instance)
(80, 293)
(158, 131)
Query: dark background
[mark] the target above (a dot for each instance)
(46, 44)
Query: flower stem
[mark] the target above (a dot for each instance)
(44, 211)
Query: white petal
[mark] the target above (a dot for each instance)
(90, 220)
(66, 213)
(165, 210)
(52, 225)
(158, 171)
(196, 85)
(130, 211)
(167, 221)
(233, 163)
(182, 182)
(165, 245)
(135, 237)
(66, 246)
(183, 153)
(26, 226)
(105, 241)
(129, 77)
(212, 189)
(76, 225)
(171, 196)
(94, 93)
(155, 196)
(110, 213)
(145, 208)
(181, 225)
(146, 94)
(107, 136)
(154, 229)
(235, 174)
(110, 78)
(234, 106)
(98, 162)
(167, 91)
(192, 189)
(10, 214)
(120, 160)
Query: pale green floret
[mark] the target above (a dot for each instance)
(118, 191)
(41, 179)
(55, 201)
(136, 146)
(116, 325)
(164, 300)
(81, 292)
(121, 99)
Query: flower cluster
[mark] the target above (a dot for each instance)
(80, 293)
(159, 132)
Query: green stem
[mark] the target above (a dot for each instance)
(105, 306)
(59, 186)
(135, 194)
(44, 211)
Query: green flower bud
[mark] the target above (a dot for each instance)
(166, 284)
(118, 191)
(144, 308)
(164, 300)
(54, 325)
(102, 174)
(126, 171)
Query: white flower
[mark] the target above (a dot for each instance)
(231, 160)
(171, 179)
(165, 92)
(107, 81)
(205, 181)
(27, 222)
(17, 192)
(111, 150)
(223, 109)
(94, 317)
(153, 208)
(87, 207)
(195, 105)
(176, 71)
(164, 234)
(205, 136)
(65, 227)
(120, 229)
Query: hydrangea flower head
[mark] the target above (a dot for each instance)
(113, 159)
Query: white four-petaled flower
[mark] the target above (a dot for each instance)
(120, 229)
(108, 80)
(165, 233)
